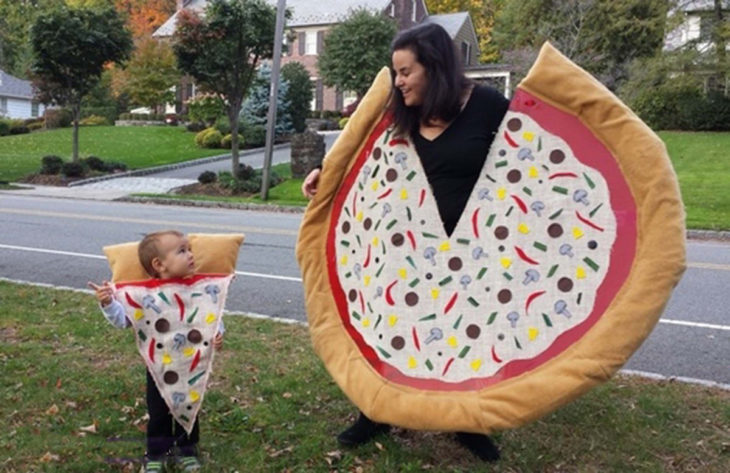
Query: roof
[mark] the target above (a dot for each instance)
(451, 22)
(11, 86)
(702, 5)
(304, 12)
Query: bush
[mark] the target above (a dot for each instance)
(331, 114)
(57, 118)
(205, 108)
(207, 177)
(4, 128)
(109, 113)
(254, 135)
(299, 93)
(195, 126)
(223, 125)
(72, 169)
(95, 164)
(209, 138)
(114, 166)
(226, 141)
(18, 127)
(51, 164)
(34, 126)
(671, 107)
(245, 172)
(343, 121)
(93, 120)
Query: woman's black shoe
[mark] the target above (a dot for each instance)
(480, 445)
(362, 431)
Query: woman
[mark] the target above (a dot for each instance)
(452, 123)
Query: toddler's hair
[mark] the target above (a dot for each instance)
(147, 250)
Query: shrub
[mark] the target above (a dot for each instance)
(4, 128)
(51, 164)
(57, 118)
(18, 127)
(209, 138)
(226, 141)
(95, 164)
(207, 177)
(223, 125)
(254, 135)
(34, 126)
(93, 120)
(299, 93)
(205, 108)
(195, 126)
(245, 172)
(109, 113)
(72, 169)
(343, 122)
(114, 166)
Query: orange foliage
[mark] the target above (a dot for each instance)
(145, 16)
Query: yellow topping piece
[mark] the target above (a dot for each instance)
(532, 333)
(194, 396)
(522, 228)
(189, 352)
(366, 322)
(506, 262)
(359, 216)
(501, 193)
(166, 359)
(392, 320)
(528, 135)
(476, 364)
(403, 273)
(453, 343)
(403, 194)
(532, 172)
(445, 246)
(210, 318)
(138, 314)
(366, 280)
(577, 232)
(435, 293)
(580, 272)
(375, 185)
(375, 241)
(412, 362)
(343, 260)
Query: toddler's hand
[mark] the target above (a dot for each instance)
(218, 341)
(103, 293)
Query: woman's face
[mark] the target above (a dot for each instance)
(410, 77)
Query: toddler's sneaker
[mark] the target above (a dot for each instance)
(189, 464)
(153, 466)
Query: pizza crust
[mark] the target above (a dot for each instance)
(605, 347)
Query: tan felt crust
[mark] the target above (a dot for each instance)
(659, 263)
(214, 253)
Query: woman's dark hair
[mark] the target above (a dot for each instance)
(435, 51)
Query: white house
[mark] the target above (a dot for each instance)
(16, 98)
(696, 25)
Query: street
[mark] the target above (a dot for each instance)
(59, 241)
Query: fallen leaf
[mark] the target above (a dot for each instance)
(334, 454)
(379, 446)
(91, 429)
(286, 395)
(49, 457)
(71, 404)
(58, 383)
(52, 411)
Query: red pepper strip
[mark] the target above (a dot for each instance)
(362, 302)
(151, 351)
(415, 339)
(510, 141)
(196, 360)
(563, 174)
(181, 305)
(411, 238)
(523, 256)
(354, 204)
(422, 197)
(587, 222)
(367, 259)
(451, 303)
(531, 298)
(388, 296)
(522, 205)
(474, 226)
(385, 194)
(448, 365)
(398, 141)
(495, 357)
(131, 302)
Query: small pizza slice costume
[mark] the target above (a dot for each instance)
(174, 322)
(559, 267)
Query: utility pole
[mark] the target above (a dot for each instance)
(273, 92)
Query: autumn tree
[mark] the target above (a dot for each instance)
(145, 16)
(149, 75)
(483, 14)
(222, 48)
(70, 49)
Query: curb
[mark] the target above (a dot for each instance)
(717, 235)
(170, 167)
(213, 204)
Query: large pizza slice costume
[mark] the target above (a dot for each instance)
(559, 267)
(176, 320)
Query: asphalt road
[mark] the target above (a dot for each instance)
(59, 241)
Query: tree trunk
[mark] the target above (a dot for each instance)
(234, 117)
(76, 111)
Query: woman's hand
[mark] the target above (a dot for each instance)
(310, 184)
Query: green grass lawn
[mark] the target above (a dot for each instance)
(72, 400)
(136, 146)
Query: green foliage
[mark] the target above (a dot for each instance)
(209, 138)
(245, 172)
(16, 17)
(4, 127)
(57, 118)
(227, 139)
(207, 177)
(94, 120)
(51, 164)
(18, 127)
(150, 73)
(205, 108)
(33, 126)
(299, 93)
(254, 135)
(72, 169)
(355, 50)
(256, 107)
(94, 163)
(247, 180)
(343, 121)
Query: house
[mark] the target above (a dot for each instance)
(16, 98)
(311, 20)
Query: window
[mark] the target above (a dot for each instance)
(34, 109)
(392, 10)
(465, 53)
(413, 10)
(313, 103)
(310, 43)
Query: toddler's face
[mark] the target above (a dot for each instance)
(175, 256)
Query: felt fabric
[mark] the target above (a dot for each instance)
(560, 266)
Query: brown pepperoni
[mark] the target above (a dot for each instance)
(195, 336)
(473, 331)
(557, 156)
(170, 377)
(565, 284)
(397, 239)
(367, 223)
(391, 175)
(455, 263)
(514, 124)
(397, 342)
(352, 295)
(376, 154)
(411, 299)
(514, 176)
(555, 230)
(501, 232)
(504, 296)
(345, 227)
(162, 325)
